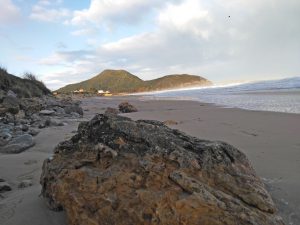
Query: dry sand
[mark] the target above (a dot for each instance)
(270, 140)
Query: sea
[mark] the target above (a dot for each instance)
(272, 95)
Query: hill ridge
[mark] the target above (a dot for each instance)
(122, 81)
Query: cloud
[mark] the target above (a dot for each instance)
(113, 12)
(61, 45)
(66, 57)
(84, 31)
(260, 39)
(47, 11)
(8, 12)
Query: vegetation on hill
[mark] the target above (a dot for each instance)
(27, 87)
(121, 81)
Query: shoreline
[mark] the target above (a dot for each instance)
(269, 139)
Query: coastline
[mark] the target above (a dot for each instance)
(269, 140)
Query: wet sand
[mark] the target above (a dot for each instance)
(270, 140)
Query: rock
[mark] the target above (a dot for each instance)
(59, 110)
(24, 127)
(11, 93)
(2, 180)
(33, 132)
(54, 122)
(170, 122)
(4, 186)
(3, 110)
(18, 144)
(46, 112)
(42, 125)
(74, 108)
(119, 171)
(12, 104)
(31, 106)
(24, 121)
(20, 115)
(75, 115)
(112, 111)
(34, 117)
(5, 137)
(25, 184)
(125, 107)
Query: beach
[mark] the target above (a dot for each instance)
(270, 140)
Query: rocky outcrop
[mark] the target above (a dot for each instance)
(21, 117)
(126, 107)
(118, 171)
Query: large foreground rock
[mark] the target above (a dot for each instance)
(118, 171)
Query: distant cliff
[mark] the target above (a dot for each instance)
(121, 81)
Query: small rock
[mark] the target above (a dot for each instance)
(75, 114)
(112, 111)
(25, 184)
(24, 127)
(33, 132)
(4, 186)
(54, 122)
(11, 93)
(59, 110)
(73, 109)
(34, 117)
(3, 110)
(18, 144)
(5, 137)
(126, 107)
(46, 112)
(20, 115)
(170, 122)
(41, 125)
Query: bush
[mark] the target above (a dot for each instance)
(39, 83)
(29, 76)
(3, 70)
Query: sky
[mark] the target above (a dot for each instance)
(66, 41)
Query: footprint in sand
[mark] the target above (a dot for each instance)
(249, 133)
(27, 175)
(7, 211)
(30, 162)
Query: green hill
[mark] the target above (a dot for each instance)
(27, 87)
(121, 81)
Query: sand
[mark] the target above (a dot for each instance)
(270, 140)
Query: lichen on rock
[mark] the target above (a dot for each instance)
(119, 171)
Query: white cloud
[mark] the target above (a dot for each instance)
(189, 16)
(192, 36)
(47, 11)
(8, 12)
(115, 11)
(84, 31)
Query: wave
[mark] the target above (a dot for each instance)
(272, 95)
(286, 83)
